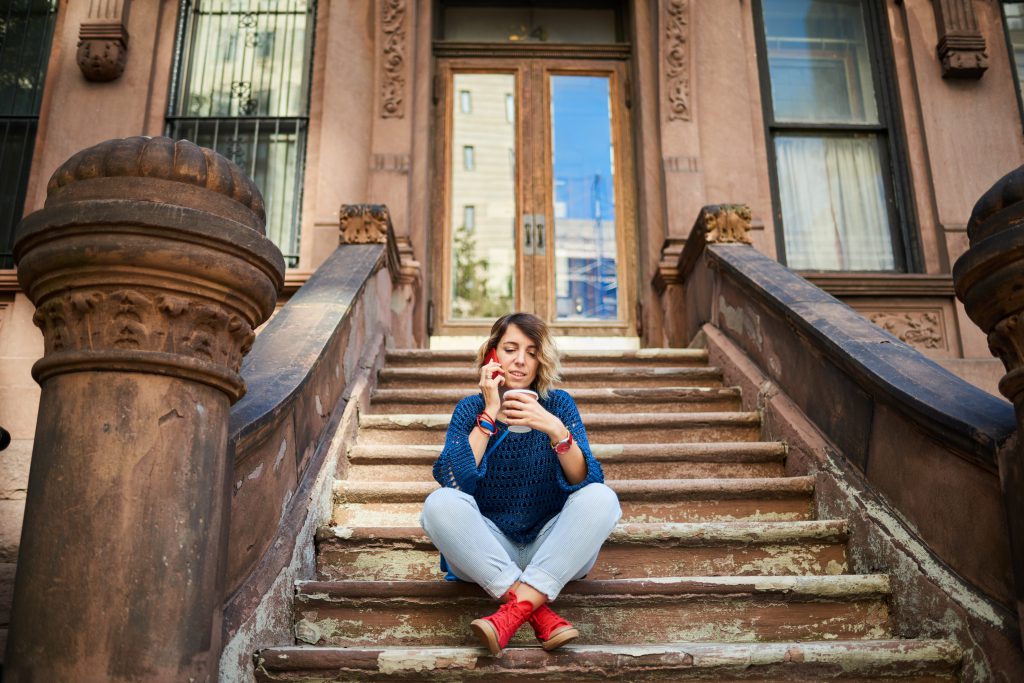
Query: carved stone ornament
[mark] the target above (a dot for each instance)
(392, 93)
(961, 48)
(921, 329)
(409, 267)
(727, 223)
(364, 224)
(677, 58)
(144, 320)
(103, 41)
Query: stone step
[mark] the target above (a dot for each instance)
(623, 400)
(425, 428)
(907, 661)
(632, 551)
(620, 611)
(571, 359)
(572, 378)
(671, 500)
(618, 461)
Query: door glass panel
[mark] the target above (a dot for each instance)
(583, 168)
(529, 24)
(482, 211)
(833, 201)
(819, 62)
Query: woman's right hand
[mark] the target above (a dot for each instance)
(489, 387)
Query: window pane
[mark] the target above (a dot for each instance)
(270, 152)
(483, 199)
(584, 197)
(248, 58)
(833, 203)
(243, 91)
(1015, 27)
(529, 24)
(819, 62)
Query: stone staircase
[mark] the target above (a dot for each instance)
(718, 570)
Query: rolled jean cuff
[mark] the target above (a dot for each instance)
(542, 581)
(499, 585)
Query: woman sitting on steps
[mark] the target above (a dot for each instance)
(521, 513)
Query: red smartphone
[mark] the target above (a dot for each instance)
(492, 357)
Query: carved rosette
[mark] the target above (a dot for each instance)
(392, 95)
(727, 223)
(149, 257)
(676, 52)
(103, 41)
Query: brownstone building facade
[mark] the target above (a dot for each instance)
(543, 156)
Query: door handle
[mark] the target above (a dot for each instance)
(538, 240)
(527, 233)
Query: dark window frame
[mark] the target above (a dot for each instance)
(26, 121)
(893, 157)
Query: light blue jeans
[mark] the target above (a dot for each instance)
(565, 549)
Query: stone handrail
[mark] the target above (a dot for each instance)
(309, 371)
(886, 408)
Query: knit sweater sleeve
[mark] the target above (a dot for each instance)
(564, 408)
(456, 466)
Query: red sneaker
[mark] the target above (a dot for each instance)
(551, 630)
(497, 629)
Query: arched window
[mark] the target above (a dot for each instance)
(241, 87)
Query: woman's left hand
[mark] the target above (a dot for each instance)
(524, 409)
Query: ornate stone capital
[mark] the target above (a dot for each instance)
(676, 57)
(103, 41)
(727, 223)
(392, 89)
(961, 48)
(364, 224)
(149, 256)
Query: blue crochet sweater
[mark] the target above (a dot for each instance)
(520, 485)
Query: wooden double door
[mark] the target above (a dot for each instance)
(534, 204)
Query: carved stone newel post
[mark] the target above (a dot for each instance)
(989, 280)
(149, 270)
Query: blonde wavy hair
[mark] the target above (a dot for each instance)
(549, 368)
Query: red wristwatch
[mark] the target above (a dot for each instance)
(564, 445)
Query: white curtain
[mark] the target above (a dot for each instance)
(833, 203)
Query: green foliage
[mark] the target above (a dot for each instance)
(471, 298)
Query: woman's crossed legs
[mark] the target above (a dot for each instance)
(565, 549)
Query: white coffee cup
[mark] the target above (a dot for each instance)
(518, 429)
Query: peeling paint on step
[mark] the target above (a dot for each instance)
(389, 662)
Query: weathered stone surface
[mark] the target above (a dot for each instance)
(348, 613)
(581, 378)
(632, 551)
(623, 400)
(878, 660)
(601, 428)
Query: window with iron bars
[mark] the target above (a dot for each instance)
(241, 87)
(26, 30)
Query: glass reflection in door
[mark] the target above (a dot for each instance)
(583, 173)
(482, 208)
